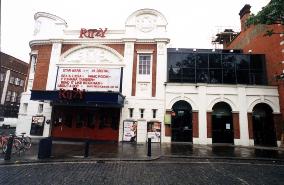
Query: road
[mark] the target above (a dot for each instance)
(135, 173)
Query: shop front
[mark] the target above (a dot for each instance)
(93, 115)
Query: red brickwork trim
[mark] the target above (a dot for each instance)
(195, 126)
(236, 125)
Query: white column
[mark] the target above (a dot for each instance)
(54, 59)
(127, 70)
(202, 119)
(161, 73)
(7, 78)
(243, 118)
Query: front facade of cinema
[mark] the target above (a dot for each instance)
(126, 85)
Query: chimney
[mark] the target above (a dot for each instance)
(244, 14)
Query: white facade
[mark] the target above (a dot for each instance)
(144, 26)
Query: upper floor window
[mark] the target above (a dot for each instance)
(12, 80)
(22, 83)
(144, 64)
(14, 97)
(25, 107)
(17, 81)
(40, 108)
(1, 77)
(142, 113)
(131, 112)
(154, 113)
(8, 95)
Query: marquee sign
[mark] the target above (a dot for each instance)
(90, 79)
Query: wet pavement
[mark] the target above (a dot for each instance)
(74, 151)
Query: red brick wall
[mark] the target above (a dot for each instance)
(195, 125)
(252, 39)
(41, 73)
(154, 66)
(209, 124)
(277, 125)
(250, 125)
(66, 47)
(236, 125)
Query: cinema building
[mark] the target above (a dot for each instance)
(126, 85)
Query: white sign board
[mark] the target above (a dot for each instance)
(89, 78)
(129, 131)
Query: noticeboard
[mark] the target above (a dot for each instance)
(37, 125)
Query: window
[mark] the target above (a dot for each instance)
(14, 97)
(17, 81)
(19, 98)
(142, 113)
(8, 96)
(1, 77)
(12, 80)
(25, 107)
(154, 113)
(144, 64)
(22, 83)
(130, 112)
(40, 108)
(33, 63)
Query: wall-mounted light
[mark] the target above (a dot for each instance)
(194, 49)
(231, 51)
(250, 51)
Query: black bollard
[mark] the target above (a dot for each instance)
(149, 147)
(87, 144)
(9, 148)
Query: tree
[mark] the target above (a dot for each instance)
(272, 13)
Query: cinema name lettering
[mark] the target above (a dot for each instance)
(91, 33)
(75, 94)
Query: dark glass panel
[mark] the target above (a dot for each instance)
(79, 120)
(68, 120)
(243, 76)
(188, 60)
(215, 75)
(174, 74)
(228, 61)
(257, 62)
(229, 76)
(202, 75)
(90, 120)
(257, 77)
(188, 75)
(242, 61)
(215, 61)
(202, 61)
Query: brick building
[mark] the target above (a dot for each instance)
(252, 40)
(13, 76)
(126, 85)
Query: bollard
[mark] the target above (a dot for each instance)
(9, 148)
(149, 147)
(87, 144)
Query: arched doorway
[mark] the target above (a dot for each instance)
(182, 122)
(222, 123)
(263, 125)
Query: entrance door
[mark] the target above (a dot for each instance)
(182, 122)
(263, 125)
(86, 123)
(222, 124)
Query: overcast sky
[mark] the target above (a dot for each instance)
(191, 24)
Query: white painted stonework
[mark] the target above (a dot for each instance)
(145, 26)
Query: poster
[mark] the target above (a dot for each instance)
(154, 131)
(129, 131)
(37, 125)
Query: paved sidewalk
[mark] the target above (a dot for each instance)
(74, 151)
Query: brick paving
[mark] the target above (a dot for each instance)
(128, 173)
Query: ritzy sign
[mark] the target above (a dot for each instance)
(91, 33)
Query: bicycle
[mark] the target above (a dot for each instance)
(4, 143)
(26, 142)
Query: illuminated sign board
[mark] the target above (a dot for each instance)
(90, 79)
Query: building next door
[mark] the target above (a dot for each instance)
(263, 125)
(86, 123)
(222, 123)
(182, 122)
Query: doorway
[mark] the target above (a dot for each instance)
(222, 123)
(182, 122)
(263, 125)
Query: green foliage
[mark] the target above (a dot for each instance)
(272, 13)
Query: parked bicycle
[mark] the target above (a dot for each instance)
(26, 142)
(4, 143)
